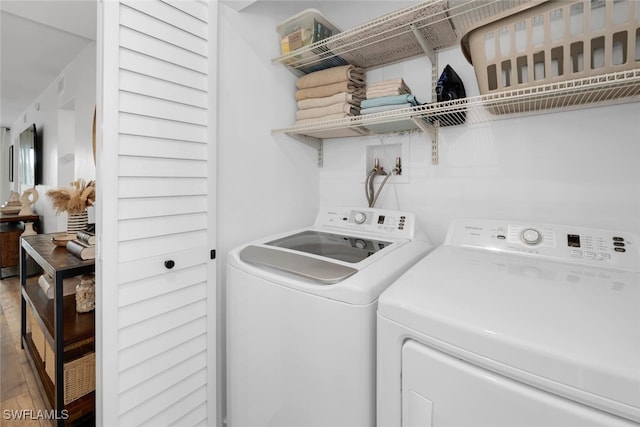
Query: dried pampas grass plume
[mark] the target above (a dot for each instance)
(75, 199)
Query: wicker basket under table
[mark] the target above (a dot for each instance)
(79, 373)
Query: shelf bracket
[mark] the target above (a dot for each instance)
(433, 133)
(312, 142)
(424, 44)
(434, 143)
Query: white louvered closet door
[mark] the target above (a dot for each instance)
(155, 337)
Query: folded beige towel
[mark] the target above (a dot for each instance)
(391, 82)
(386, 87)
(322, 119)
(340, 107)
(328, 90)
(328, 100)
(386, 92)
(332, 75)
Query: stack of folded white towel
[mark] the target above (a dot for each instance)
(387, 95)
(330, 94)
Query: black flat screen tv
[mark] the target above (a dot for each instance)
(30, 157)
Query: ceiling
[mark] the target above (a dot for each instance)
(38, 39)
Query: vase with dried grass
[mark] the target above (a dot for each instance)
(74, 200)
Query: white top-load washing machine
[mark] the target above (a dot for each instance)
(301, 316)
(511, 324)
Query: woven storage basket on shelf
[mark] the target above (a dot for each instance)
(49, 360)
(37, 336)
(550, 42)
(79, 377)
(79, 374)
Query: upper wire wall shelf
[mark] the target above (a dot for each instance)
(398, 36)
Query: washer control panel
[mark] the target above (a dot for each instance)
(369, 220)
(569, 243)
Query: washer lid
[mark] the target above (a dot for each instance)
(312, 268)
(331, 245)
(570, 329)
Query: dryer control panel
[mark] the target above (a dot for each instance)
(397, 224)
(582, 245)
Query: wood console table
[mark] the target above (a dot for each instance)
(69, 334)
(10, 231)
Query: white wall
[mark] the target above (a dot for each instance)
(572, 167)
(64, 120)
(575, 167)
(266, 184)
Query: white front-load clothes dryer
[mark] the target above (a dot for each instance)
(510, 324)
(301, 317)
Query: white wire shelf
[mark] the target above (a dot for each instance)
(606, 89)
(421, 30)
(414, 31)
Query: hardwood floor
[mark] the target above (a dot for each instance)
(19, 393)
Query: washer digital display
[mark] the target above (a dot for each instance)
(573, 240)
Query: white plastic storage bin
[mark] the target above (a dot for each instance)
(304, 28)
(551, 41)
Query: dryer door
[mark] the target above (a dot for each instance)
(440, 390)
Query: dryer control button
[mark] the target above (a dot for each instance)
(359, 217)
(531, 237)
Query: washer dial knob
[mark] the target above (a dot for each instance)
(359, 217)
(531, 237)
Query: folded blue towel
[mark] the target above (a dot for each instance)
(385, 108)
(389, 100)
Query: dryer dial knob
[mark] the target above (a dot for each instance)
(359, 217)
(531, 237)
